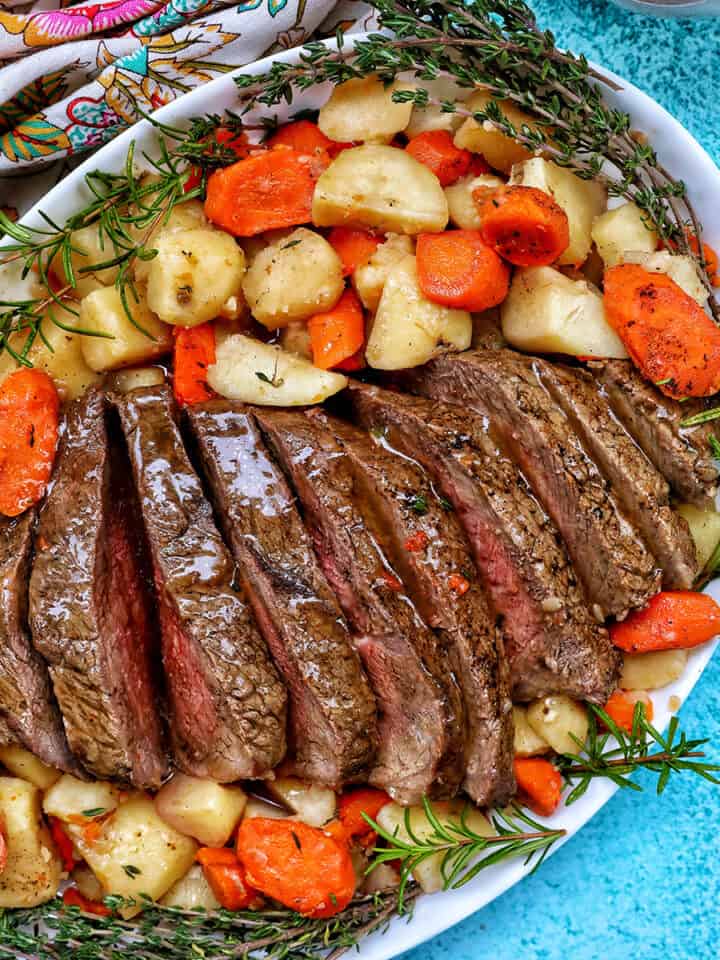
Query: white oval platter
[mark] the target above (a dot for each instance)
(685, 159)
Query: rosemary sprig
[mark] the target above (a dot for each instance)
(705, 416)
(56, 932)
(496, 46)
(463, 853)
(644, 747)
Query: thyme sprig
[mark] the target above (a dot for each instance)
(496, 46)
(463, 852)
(56, 932)
(643, 747)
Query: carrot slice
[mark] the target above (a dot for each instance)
(305, 137)
(63, 843)
(666, 332)
(194, 353)
(73, 898)
(337, 334)
(436, 150)
(354, 247)
(621, 708)
(263, 192)
(226, 878)
(479, 165)
(539, 783)
(302, 867)
(523, 224)
(458, 269)
(29, 413)
(352, 364)
(673, 619)
(353, 805)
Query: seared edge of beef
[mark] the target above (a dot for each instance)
(227, 702)
(552, 643)
(428, 549)
(89, 610)
(331, 720)
(28, 709)
(641, 489)
(681, 454)
(617, 570)
(390, 637)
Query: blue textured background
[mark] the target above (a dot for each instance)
(640, 881)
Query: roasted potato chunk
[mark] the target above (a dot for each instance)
(309, 802)
(650, 671)
(704, 529)
(293, 279)
(409, 329)
(528, 743)
(678, 267)
(381, 187)
(547, 312)
(255, 372)
(621, 230)
(32, 871)
(363, 109)
(464, 212)
(125, 343)
(500, 151)
(202, 809)
(557, 720)
(27, 766)
(369, 279)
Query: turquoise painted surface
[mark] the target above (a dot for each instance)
(641, 881)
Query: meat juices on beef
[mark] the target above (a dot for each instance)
(615, 566)
(90, 612)
(681, 454)
(28, 711)
(426, 545)
(332, 726)
(639, 487)
(421, 730)
(227, 703)
(552, 643)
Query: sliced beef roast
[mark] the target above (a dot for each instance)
(421, 731)
(89, 609)
(552, 642)
(681, 454)
(28, 710)
(427, 547)
(332, 715)
(639, 487)
(227, 702)
(617, 570)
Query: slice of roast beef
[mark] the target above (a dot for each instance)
(421, 731)
(427, 547)
(615, 566)
(552, 643)
(332, 714)
(681, 454)
(640, 488)
(227, 703)
(28, 710)
(90, 611)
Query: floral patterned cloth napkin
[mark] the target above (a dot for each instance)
(72, 76)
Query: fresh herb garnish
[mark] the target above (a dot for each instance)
(460, 846)
(644, 747)
(95, 812)
(714, 444)
(419, 504)
(131, 870)
(290, 243)
(705, 416)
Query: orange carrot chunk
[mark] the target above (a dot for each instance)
(621, 708)
(263, 192)
(305, 137)
(436, 150)
(539, 784)
(523, 224)
(73, 898)
(226, 878)
(353, 363)
(673, 619)
(351, 807)
(458, 269)
(29, 413)
(337, 334)
(666, 332)
(300, 866)
(354, 247)
(194, 352)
